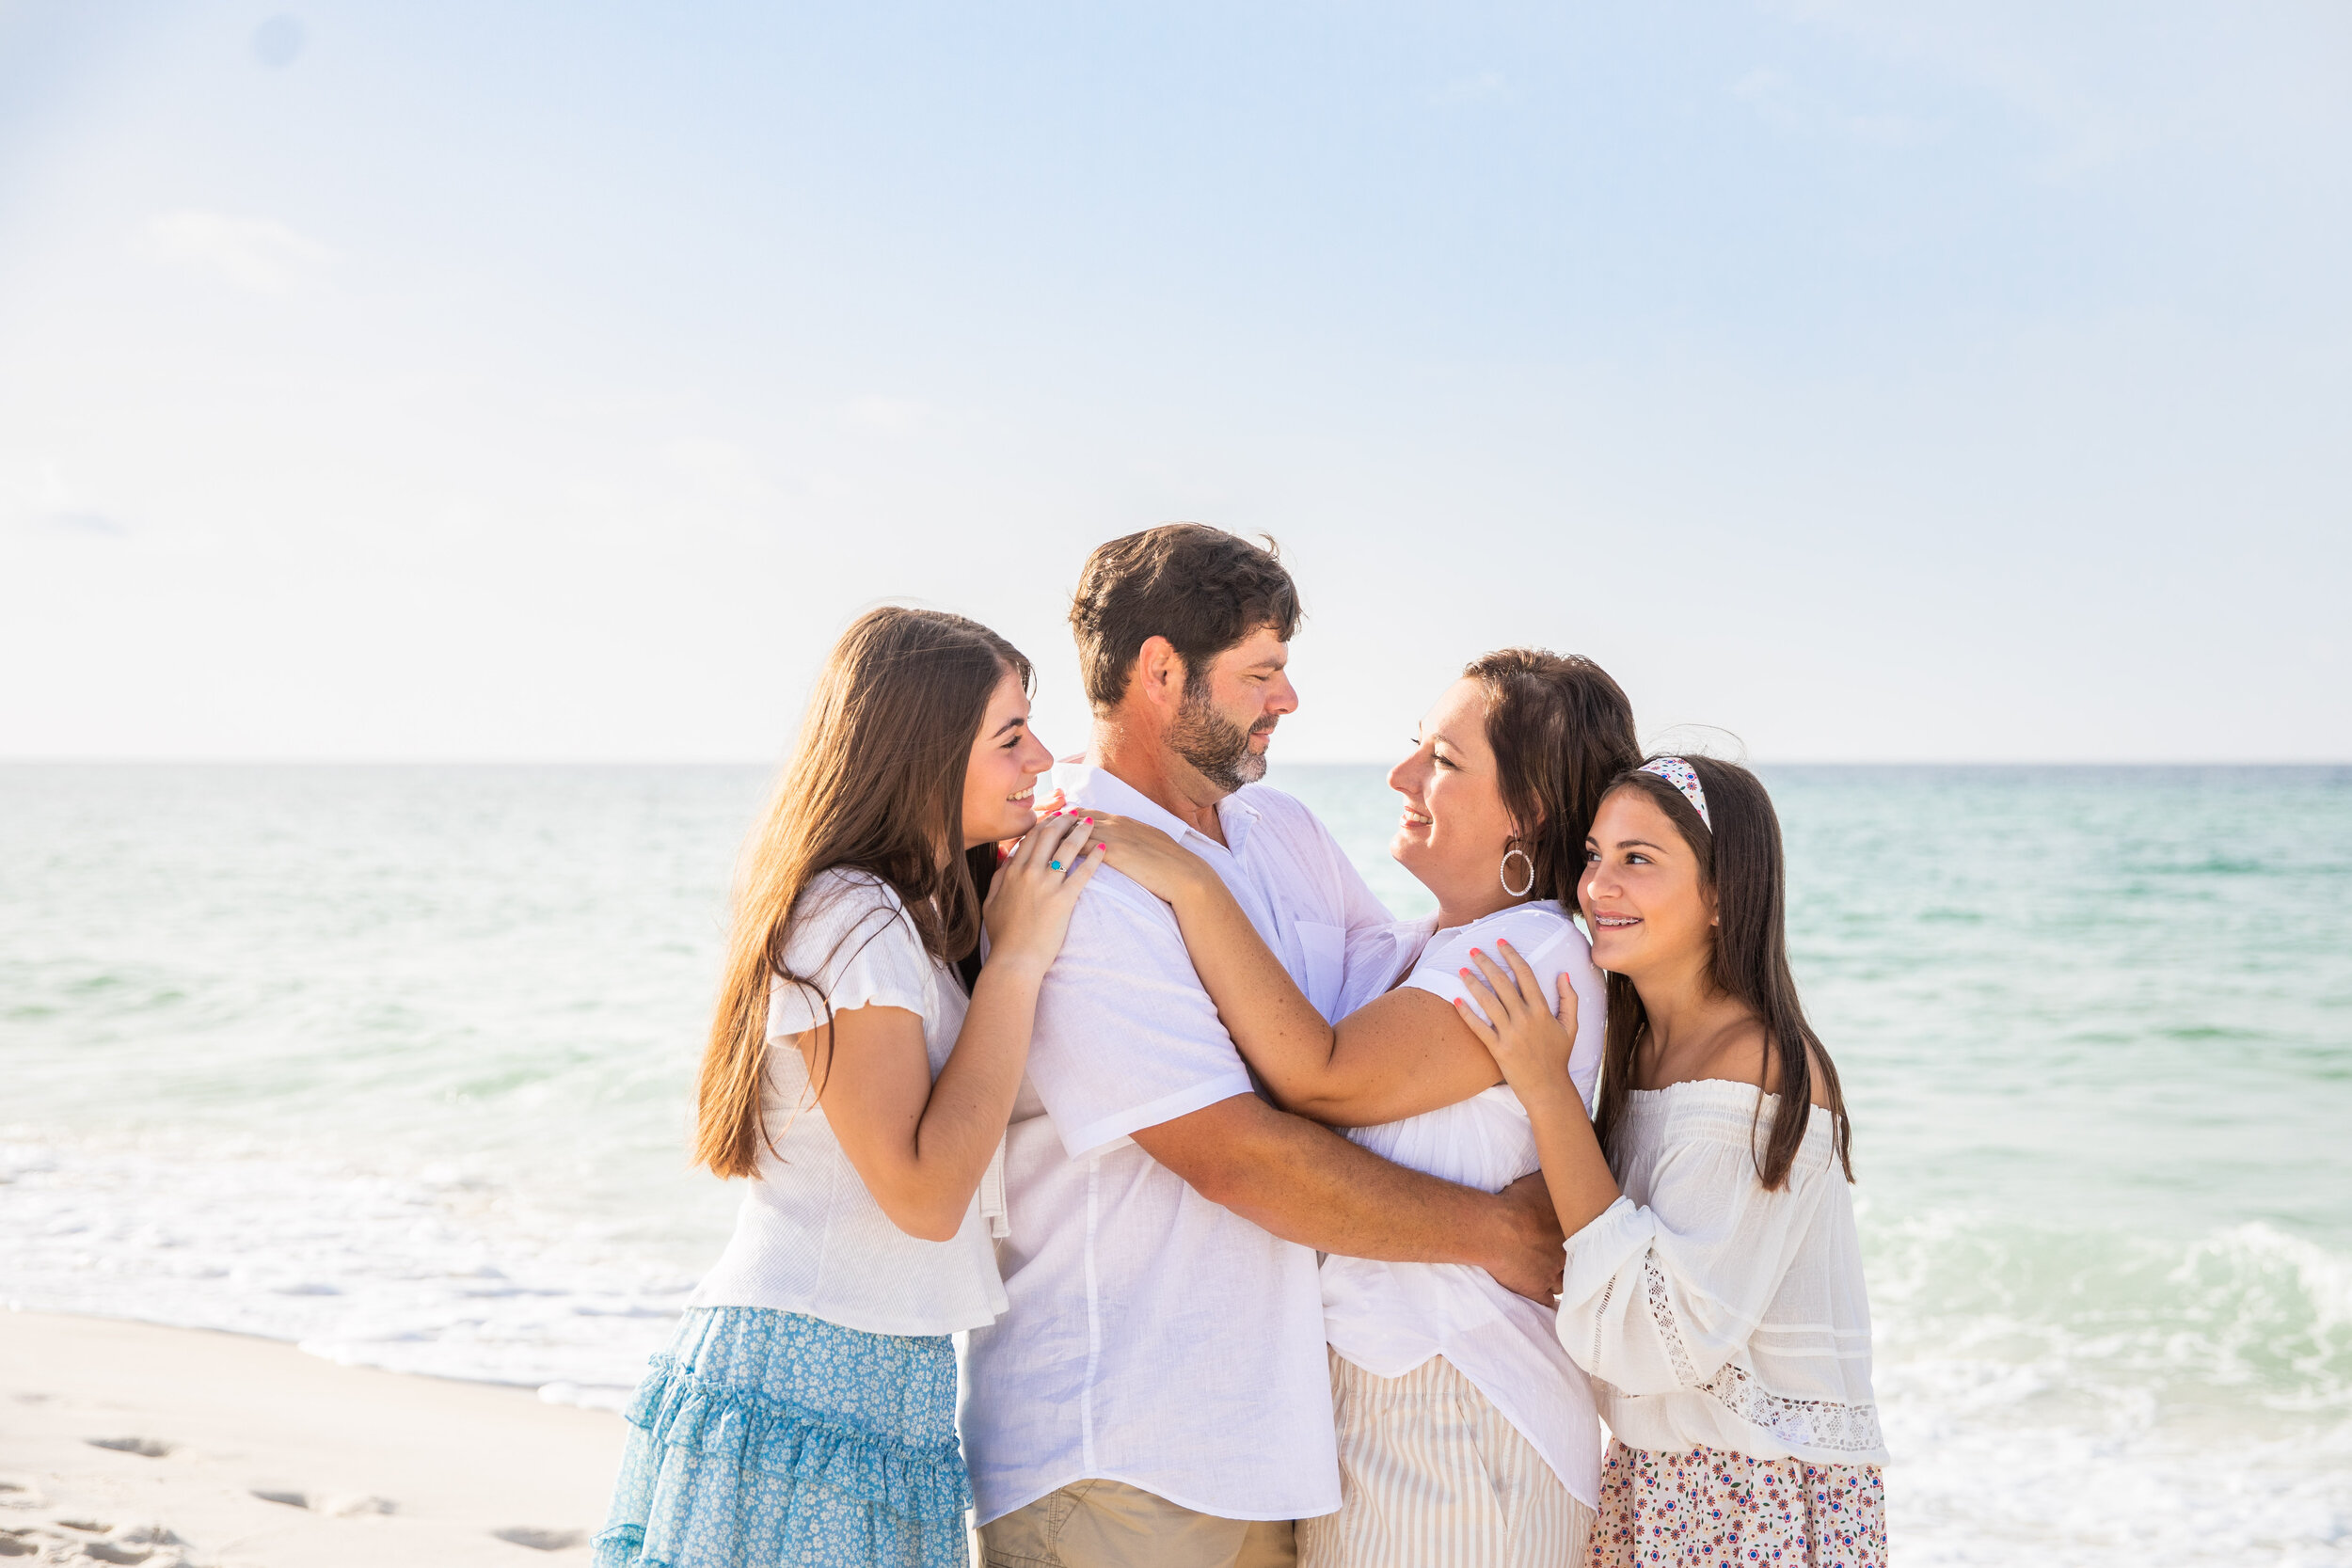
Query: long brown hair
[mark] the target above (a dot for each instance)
(1739, 860)
(874, 784)
(1561, 730)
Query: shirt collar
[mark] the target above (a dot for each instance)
(1085, 784)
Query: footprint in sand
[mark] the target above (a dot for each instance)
(131, 1547)
(146, 1448)
(543, 1540)
(106, 1551)
(340, 1505)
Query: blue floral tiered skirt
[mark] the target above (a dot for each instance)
(770, 1440)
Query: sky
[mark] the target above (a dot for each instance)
(1905, 382)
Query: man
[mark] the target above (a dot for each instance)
(1158, 1392)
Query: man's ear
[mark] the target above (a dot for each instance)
(1160, 673)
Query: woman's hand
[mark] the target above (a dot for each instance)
(1138, 849)
(1528, 1041)
(1027, 910)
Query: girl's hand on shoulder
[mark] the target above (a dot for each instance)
(1028, 906)
(1050, 805)
(1528, 1040)
(1143, 852)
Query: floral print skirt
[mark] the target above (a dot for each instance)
(1712, 1508)
(767, 1439)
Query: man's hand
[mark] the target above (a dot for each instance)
(1534, 1254)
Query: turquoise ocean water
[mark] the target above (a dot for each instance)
(393, 1062)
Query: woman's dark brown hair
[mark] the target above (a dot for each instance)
(1740, 861)
(1561, 731)
(875, 784)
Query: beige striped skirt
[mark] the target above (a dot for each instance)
(1430, 1473)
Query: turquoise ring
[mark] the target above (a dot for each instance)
(1053, 865)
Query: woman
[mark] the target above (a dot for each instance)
(1466, 1436)
(805, 1413)
(1714, 1284)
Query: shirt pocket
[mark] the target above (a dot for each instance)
(1323, 952)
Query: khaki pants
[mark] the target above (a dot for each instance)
(1431, 1476)
(1109, 1524)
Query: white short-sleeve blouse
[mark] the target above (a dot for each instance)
(809, 1238)
(1391, 1318)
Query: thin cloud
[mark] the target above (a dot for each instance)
(717, 469)
(252, 253)
(888, 415)
(89, 524)
(1785, 106)
(1488, 86)
(50, 506)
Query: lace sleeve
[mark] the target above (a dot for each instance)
(1658, 1297)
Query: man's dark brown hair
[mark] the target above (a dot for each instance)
(1202, 587)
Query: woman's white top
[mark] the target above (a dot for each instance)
(1391, 1318)
(1713, 1313)
(809, 1238)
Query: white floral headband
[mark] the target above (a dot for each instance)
(1685, 778)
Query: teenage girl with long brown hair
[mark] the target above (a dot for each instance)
(1714, 1285)
(860, 1074)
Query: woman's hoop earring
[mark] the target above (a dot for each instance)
(1517, 892)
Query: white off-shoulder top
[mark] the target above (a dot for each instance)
(809, 1238)
(1712, 1313)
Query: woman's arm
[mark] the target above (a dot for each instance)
(921, 1146)
(1307, 1184)
(1530, 1045)
(1395, 1056)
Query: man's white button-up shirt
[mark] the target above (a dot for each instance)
(1152, 1337)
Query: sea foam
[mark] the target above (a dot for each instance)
(422, 1272)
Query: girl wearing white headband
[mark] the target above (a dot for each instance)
(1714, 1283)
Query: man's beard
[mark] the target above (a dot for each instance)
(1217, 747)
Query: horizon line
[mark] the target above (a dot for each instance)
(123, 761)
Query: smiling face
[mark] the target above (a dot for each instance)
(1000, 778)
(1454, 827)
(1649, 909)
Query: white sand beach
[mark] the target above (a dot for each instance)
(126, 1443)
